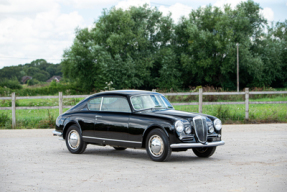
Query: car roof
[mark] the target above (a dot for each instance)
(126, 92)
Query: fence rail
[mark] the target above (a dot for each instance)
(200, 102)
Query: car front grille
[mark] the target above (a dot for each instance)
(200, 127)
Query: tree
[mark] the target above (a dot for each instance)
(207, 44)
(39, 69)
(279, 37)
(141, 48)
(120, 48)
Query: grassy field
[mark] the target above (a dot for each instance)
(174, 99)
(40, 102)
(259, 113)
(26, 118)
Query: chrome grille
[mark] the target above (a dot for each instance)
(200, 127)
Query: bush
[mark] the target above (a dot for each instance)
(4, 119)
(10, 83)
(67, 89)
(50, 122)
(31, 82)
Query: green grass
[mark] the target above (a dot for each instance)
(74, 101)
(226, 98)
(258, 113)
(34, 118)
(40, 102)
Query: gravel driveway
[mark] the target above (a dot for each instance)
(254, 158)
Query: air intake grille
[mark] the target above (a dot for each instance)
(200, 128)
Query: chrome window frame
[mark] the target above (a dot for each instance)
(148, 107)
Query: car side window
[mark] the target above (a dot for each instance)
(95, 104)
(116, 104)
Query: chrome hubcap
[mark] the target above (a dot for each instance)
(74, 139)
(156, 145)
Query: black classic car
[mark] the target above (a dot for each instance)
(137, 119)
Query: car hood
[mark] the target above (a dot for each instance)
(181, 114)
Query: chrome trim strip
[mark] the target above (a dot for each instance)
(57, 133)
(111, 139)
(194, 145)
(101, 103)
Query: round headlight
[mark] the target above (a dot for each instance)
(179, 126)
(217, 124)
(211, 129)
(187, 130)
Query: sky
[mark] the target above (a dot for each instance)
(43, 29)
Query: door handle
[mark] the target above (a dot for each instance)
(98, 116)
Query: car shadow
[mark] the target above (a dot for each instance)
(140, 154)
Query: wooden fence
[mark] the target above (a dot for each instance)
(200, 102)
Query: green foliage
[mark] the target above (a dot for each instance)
(120, 48)
(169, 73)
(4, 119)
(140, 48)
(11, 83)
(39, 69)
(49, 122)
(208, 40)
(31, 82)
(53, 83)
(67, 89)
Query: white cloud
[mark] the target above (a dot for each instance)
(177, 10)
(232, 3)
(27, 6)
(267, 14)
(43, 35)
(89, 4)
(126, 4)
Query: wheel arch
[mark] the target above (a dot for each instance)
(66, 127)
(149, 129)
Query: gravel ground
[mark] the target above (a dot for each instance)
(254, 158)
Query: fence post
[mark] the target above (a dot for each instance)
(60, 103)
(13, 110)
(246, 103)
(200, 100)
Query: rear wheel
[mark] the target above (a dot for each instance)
(74, 140)
(157, 145)
(204, 151)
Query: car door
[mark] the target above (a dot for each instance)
(112, 120)
(87, 116)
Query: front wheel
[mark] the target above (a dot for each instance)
(204, 151)
(74, 140)
(157, 145)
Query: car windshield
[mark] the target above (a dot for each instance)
(142, 102)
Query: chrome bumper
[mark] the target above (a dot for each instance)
(57, 133)
(194, 145)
